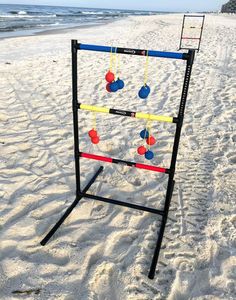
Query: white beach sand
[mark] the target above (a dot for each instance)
(104, 251)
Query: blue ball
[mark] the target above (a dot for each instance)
(144, 134)
(120, 83)
(149, 155)
(114, 86)
(144, 92)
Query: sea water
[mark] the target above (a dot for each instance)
(18, 20)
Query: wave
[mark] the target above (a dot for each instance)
(22, 12)
(27, 16)
(15, 12)
(14, 28)
(68, 15)
(29, 26)
(85, 12)
(90, 12)
(49, 25)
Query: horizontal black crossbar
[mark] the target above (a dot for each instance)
(194, 16)
(121, 203)
(189, 48)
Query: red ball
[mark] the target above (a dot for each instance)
(110, 77)
(150, 140)
(92, 133)
(141, 150)
(95, 140)
(108, 87)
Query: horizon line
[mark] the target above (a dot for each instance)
(126, 9)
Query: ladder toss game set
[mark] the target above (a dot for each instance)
(145, 134)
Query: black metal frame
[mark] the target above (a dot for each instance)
(189, 57)
(182, 30)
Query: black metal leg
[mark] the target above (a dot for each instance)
(161, 231)
(171, 181)
(69, 209)
(157, 249)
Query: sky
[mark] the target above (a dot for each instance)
(163, 5)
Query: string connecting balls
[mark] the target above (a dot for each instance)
(149, 155)
(145, 89)
(113, 85)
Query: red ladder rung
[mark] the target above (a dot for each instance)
(123, 162)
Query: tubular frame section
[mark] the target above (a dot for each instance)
(142, 52)
(124, 163)
(126, 113)
(170, 172)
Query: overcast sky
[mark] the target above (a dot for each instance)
(163, 5)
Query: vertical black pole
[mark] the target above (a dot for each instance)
(171, 182)
(200, 39)
(180, 42)
(75, 114)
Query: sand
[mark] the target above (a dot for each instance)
(104, 251)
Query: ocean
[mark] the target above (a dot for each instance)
(18, 20)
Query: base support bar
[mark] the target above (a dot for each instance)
(126, 204)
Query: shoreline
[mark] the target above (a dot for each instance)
(57, 30)
(48, 31)
(68, 29)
